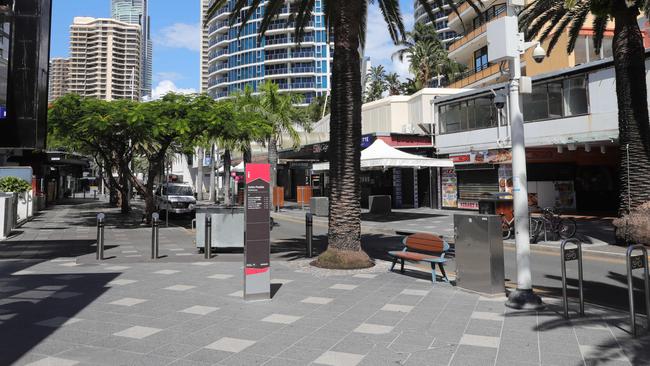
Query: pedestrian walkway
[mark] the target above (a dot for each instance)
(596, 234)
(59, 312)
(62, 308)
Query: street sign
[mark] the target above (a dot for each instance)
(257, 244)
(636, 262)
(571, 254)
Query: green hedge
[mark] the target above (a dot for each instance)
(14, 184)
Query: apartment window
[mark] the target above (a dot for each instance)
(556, 99)
(480, 59)
(584, 49)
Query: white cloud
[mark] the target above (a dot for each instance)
(167, 86)
(167, 75)
(379, 46)
(180, 35)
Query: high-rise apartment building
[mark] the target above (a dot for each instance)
(205, 42)
(137, 12)
(59, 76)
(104, 59)
(445, 34)
(237, 58)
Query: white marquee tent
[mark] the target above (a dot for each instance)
(380, 155)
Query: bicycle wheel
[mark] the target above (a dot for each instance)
(536, 228)
(567, 228)
(506, 229)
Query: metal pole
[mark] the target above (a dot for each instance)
(167, 217)
(523, 297)
(571, 255)
(100, 236)
(309, 231)
(155, 221)
(207, 248)
(633, 264)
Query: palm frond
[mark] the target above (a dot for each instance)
(576, 25)
(272, 9)
(303, 15)
(391, 12)
(600, 24)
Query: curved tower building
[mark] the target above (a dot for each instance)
(236, 57)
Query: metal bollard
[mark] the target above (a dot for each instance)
(207, 248)
(572, 255)
(309, 233)
(636, 262)
(166, 218)
(100, 236)
(155, 225)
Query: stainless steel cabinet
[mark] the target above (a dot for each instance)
(479, 253)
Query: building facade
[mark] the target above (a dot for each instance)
(237, 58)
(105, 59)
(137, 12)
(205, 43)
(471, 48)
(59, 76)
(446, 35)
(571, 129)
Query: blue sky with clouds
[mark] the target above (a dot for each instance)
(175, 32)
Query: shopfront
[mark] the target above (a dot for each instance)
(580, 180)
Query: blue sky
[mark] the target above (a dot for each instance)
(175, 32)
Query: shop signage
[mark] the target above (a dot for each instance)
(449, 187)
(468, 205)
(397, 187)
(367, 140)
(257, 266)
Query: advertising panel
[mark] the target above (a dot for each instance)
(449, 188)
(257, 245)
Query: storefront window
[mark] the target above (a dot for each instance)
(485, 113)
(554, 99)
(575, 96)
(536, 103)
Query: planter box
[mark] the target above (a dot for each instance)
(227, 226)
(379, 204)
(6, 214)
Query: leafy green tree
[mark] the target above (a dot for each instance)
(427, 56)
(280, 112)
(346, 22)
(376, 81)
(546, 20)
(393, 84)
(99, 129)
(317, 109)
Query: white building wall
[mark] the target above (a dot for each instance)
(600, 125)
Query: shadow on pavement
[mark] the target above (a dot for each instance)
(46, 249)
(397, 216)
(35, 306)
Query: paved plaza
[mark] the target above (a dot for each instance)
(58, 307)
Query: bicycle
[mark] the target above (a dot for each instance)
(508, 227)
(553, 222)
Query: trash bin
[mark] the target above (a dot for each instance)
(227, 226)
(496, 204)
(479, 253)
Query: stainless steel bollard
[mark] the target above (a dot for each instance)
(207, 248)
(167, 218)
(568, 255)
(309, 233)
(155, 225)
(100, 236)
(636, 262)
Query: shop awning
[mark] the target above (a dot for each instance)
(380, 155)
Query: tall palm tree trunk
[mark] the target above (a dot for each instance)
(631, 91)
(273, 161)
(344, 230)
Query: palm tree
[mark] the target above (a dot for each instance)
(548, 19)
(393, 83)
(376, 83)
(427, 56)
(280, 112)
(346, 21)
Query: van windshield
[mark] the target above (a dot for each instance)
(179, 191)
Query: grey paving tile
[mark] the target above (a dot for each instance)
(304, 354)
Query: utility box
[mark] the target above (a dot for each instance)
(479, 253)
(319, 206)
(227, 226)
(503, 39)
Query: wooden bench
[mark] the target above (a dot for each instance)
(423, 247)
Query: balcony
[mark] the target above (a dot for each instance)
(279, 71)
(303, 85)
(472, 76)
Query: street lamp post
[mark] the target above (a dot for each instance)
(506, 43)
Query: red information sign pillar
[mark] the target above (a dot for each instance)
(257, 243)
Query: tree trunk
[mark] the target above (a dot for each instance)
(344, 229)
(631, 91)
(213, 166)
(199, 174)
(273, 161)
(226, 177)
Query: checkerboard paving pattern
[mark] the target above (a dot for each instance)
(178, 313)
